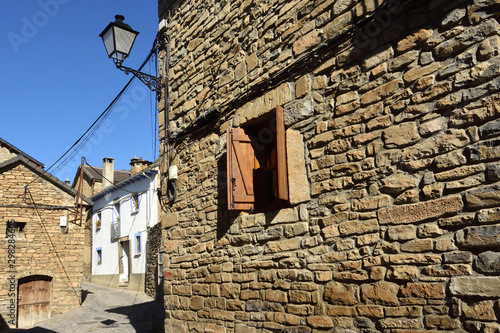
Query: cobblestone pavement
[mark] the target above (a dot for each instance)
(106, 310)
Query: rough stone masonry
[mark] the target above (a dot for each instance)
(42, 249)
(393, 139)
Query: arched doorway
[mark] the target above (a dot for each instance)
(33, 300)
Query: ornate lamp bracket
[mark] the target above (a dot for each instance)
(152, 82)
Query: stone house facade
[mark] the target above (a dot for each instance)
(338, 166)
(42, 248)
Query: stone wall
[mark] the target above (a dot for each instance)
(153, 248)
(396, 120)
(44, 249)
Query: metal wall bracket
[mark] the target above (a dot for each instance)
(152, 82)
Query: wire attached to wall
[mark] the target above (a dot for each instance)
(304, 64)
(54, 248)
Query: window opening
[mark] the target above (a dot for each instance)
(116, 209)
(257, 172)
(134, 201)
(98, 256)
(98, 221)
(138, 243)
(16, 230)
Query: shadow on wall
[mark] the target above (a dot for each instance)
(225, 217)
(3, 323)
(144, 317)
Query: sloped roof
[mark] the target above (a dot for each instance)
(152, 169)
(95, 173)
(42, 174)
(18, 151)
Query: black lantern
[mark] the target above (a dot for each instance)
(118, 38)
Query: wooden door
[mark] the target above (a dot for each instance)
(33, 300)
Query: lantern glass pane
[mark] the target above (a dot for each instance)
(124, 41)
(109, 43)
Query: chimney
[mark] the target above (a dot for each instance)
(138, 164)
(108, 172)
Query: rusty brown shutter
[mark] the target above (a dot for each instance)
(281, 155)
(240, 165)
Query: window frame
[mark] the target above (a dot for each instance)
(98, 221)
(138, 244)
(98, 256)
(135, 202)
(116, 212)
(243, 148)
(18, 228)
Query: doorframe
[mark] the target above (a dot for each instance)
(121, 254)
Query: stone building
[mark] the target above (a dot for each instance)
(42, 251)
(92, 179)
(338, 166)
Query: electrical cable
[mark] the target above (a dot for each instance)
(302, 65)
(154, 113)
(103, 117)
(63, 266)
(88, 134)
(100, 174)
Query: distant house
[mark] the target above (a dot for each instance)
(123, 212)
(42, 261)
(92, 183)
(92, 179)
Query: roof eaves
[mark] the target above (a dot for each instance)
(20, 152)
(123, 183)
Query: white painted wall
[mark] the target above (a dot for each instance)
(133, 223)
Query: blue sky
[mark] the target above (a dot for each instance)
(56, 79)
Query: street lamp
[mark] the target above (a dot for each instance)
(118, 38)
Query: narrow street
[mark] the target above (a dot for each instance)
(108, 309)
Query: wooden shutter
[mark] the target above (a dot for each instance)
(240, 165)
(281, 155)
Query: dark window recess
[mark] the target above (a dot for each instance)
(257, 169)
(99, 256)
(16, 228)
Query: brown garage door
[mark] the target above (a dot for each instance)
(33, 300)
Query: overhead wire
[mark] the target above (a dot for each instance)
(90, 132)
(154, 113)
(112, 183)
(101, 119)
